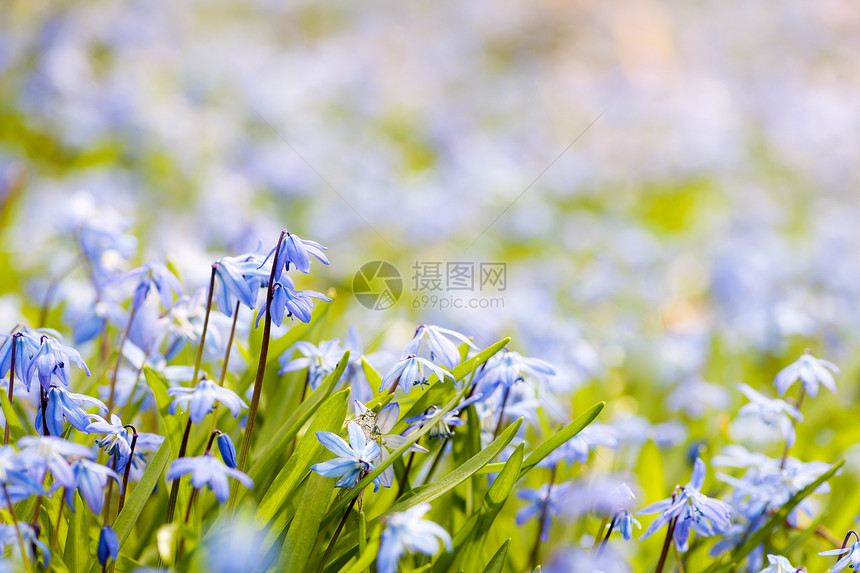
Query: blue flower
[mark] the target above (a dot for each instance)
(285, 299)
(14, 474)
(779, 564)
(27, 343)
(407, 530)
(506, 368)
(108, 545)
(227, 449)
(810, 371)
(378, 427)
(238, 278)
(201, 399)
(51, 361)
(547, 497)
(154, 275)
(691, 509)
(48, 453)
(442, 428)
(440, 348)
(319, 360)
(578, 448)
(773, 412)
(90, 480)
(625, 523)
(297, 251)
(9, 537)
(210, 471)
(353, 458)
(63, 404)
(116, 442)
(412, 371)
(851, 558)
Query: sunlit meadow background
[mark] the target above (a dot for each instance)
(673, 187)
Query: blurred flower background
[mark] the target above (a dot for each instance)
(672, 186)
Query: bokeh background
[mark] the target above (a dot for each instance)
(672, 185)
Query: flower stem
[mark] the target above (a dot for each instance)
(127, 470)
(394, 385)
(174, 488)
(205, 327)
(337, 532)
(663, 554)
(59, 519)
(17, 529)
(229, 346)
(848, 536)
(106, 513)
(542, 521)
(119, 357)
(181, 549)
(793, 426)
(11, 385)
(608, 533)
(404, 479)
(501, 414)
(436, 461)
(261, 372)
(43, 396)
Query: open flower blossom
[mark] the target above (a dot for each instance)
(209, 471)
(52, 360)
(779, 564)
(297, 251)
(27, 342)
(295, 303)
(810, 371)
(691, 509)
(65, 405)
(851, 557)
(353, 459)
(238, 279)
(773, 412)
(377, 427)
(547, 498)
(201, 399)
(48, 453)
(154, 275)
(90, 481)
(9, 537)
(436, 341)
(319, 360)
(506, 368)
(413, 371)
(442, 428)
(407, 530)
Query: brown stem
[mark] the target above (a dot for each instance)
(608, 533)
(17, 527)
(543, 515)
(174, 487)
(394, 385)
(229, 346)
(126, 472)
(501, 413)
(181, 549)
(205, 326)
(337, 532)
(793, 426)
(119, 357)
(261, 372)
(436, 460)
(43, 395)
(405, 477)
(663, 554)
(11, 385)
(106, 512)
(59, 519)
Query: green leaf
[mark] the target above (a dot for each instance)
(373, 377)
(304, 529)
(497, 562)
(270, 454)
(142, 492)
(775, 521)
(76, 552)
(16, 430)
(436, 489)
(557, 439)
(329, 418)
(338, 508)
(472, 535)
